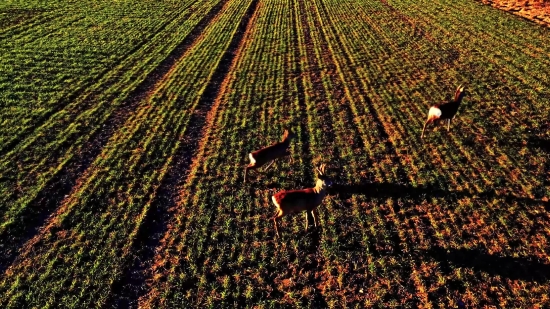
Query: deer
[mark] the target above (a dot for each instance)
(445, 111)
(268, 154)
(294, 201)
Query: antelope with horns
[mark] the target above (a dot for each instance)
(268, 154)
(445, 110)
(294, 201)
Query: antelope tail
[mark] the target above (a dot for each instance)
(458, 93)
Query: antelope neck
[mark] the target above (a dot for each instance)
(458, 99)
(318, 187)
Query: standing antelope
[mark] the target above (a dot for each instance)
(261, 157)
(294, 201)
(445, 110)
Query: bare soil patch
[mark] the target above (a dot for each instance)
(535, 10)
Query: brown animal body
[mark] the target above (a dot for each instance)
(294, 201)
(445, 111)
(268, 154)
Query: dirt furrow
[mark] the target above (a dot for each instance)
(64, 181)
(533, 10)
(302, 107)
(132, 285)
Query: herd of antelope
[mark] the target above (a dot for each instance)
(294, 201)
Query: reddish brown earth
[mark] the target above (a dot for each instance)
(535, 10)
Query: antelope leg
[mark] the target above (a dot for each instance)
(276, 228)
(313, 213)
(424, 128)
(269, 165)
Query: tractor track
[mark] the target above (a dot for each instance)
(132, 285)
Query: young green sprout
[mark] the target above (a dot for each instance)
(294, 201)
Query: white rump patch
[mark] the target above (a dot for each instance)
(252, 160)
(434, 111)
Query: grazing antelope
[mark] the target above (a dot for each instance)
(261, 157)
(445, 110)
(294, 201)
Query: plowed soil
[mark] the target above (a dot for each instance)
(535, 10)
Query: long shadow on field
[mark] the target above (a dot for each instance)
(540, 143)
(384, 189)
(508, 267)
(312, 235)
(303, 267)
(318, 301)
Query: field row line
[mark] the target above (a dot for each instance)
(31, 25)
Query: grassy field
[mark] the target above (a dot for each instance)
(125, 127)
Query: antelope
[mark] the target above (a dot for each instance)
(294, 201)
(267, 154)
(445, 110)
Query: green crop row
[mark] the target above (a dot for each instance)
(61, 141)
(201, 269)
(41, 68)
(82, 68)
(106, 208)
(369, 235)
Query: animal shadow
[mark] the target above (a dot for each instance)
(385, 189)
(540, 143)
(520, 268)
(313, 234)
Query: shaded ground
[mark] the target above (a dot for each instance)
(535, 10)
